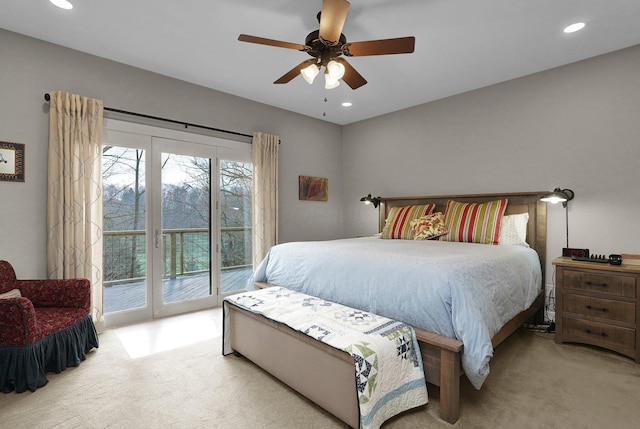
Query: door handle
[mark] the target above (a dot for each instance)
(158, 238)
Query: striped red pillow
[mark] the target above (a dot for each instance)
(397, 224)
(474, 222)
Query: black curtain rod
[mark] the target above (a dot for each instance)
(47, 97)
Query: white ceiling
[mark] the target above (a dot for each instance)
(461, 45)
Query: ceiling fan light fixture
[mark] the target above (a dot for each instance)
(335, 69)
(329, 82)
(327, 44)
(309, 73)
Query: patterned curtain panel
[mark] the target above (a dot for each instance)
(74, 202)
(265, 194)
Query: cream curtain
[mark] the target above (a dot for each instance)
(265, 194)
(74, 202)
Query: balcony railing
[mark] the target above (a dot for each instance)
(185, 252)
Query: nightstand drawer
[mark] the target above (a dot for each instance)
(617, 285)
(599, 334)
(605, 309)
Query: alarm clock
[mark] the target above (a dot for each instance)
(571, 252)
(615, 259)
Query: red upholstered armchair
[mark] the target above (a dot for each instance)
(47, 328)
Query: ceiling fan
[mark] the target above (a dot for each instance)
(327, 45)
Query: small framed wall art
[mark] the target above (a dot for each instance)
(313, 188)
(11, 162)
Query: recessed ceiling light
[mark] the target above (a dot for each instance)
(62, 4)
(574, 27)
(347, 104)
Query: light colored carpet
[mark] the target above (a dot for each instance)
(534, 383)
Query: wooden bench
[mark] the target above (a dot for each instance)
(320, 372)
(361, 367)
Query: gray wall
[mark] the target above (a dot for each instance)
(29, 68)
(576, 126)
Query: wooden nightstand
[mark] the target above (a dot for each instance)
(597, 304)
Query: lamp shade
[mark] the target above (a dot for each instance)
(329, 82)
(335, 69)
(558, 196)
(371, 200)
(310, 72)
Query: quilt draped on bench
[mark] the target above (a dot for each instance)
(388, 368)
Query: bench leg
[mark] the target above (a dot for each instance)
(450, 372)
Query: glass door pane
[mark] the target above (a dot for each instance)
(235, 222)
(186, 227)
(127, 287)
(124, 237)
(182, 227)
(235, 178)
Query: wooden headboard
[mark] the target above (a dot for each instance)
(520, 202)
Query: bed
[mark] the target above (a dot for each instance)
(445, 350)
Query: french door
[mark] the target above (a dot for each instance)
(183, 225)
(166, 239)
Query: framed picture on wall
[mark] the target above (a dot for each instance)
(11, 162)
(313, 188)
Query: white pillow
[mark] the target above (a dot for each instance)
(13, 293)
(513, 229)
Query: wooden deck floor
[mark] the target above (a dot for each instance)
(133, 295)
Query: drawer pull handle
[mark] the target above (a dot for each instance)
(602, 334)
(596, 284)
(604, 310)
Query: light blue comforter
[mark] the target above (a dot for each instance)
(458, 290)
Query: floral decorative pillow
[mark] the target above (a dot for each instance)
(428, 227)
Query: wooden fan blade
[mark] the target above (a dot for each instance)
(400, 45)
(271, 42)
(351, 76)
(332, 18)
(288, 76)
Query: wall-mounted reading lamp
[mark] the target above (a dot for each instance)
(560, 196)
(371, 200)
